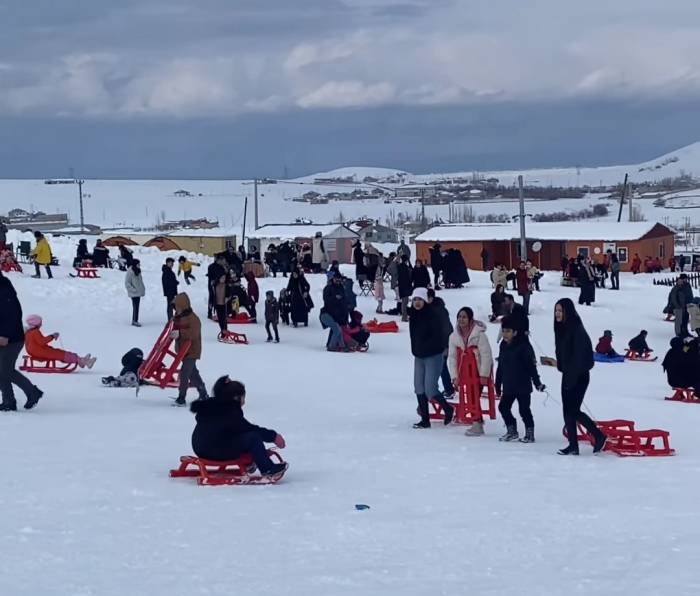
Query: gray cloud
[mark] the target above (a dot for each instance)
(177, 58)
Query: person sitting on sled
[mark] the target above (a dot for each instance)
(682, 364)
(355, 334)
(604, 345)
(129, 375)
(37, 346)
(638, 344)
(222, 433)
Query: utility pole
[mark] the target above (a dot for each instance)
(622, 199)
(629, 199)
(422, 209)
(80, 195)
(255, 190)
(245, 215)
(521, 200)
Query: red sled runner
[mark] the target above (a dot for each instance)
(162, 367)
(645, 357)
(685, 395)
(218, 473)
(624, 440)
(231, 337)
(31, 365)
(469, 408)
(374, 326)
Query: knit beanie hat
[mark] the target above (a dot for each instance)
(34, 321)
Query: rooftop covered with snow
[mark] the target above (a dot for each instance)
(292, 231)
(562, 231)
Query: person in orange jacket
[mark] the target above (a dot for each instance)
(37, 346)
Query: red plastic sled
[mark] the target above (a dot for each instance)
(374, 326)
(31, 365)
(231, 337)
(684, 395)
(218, 473)
(645, 357)
(624, 440)
(87, 272)
(240, 318)
(8, 267)
(469, 408)
(162, 367)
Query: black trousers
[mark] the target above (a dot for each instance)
(436, 276)
(274, 328)
(212, 302)
(135, 303)
(9, 375)
(571, 400)
(250, 442)
(169, 308)
(38, 270)
(615, 280)
(221, 316)
(523, 400)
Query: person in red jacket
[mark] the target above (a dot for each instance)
(37, 346)
(636, 264)
(253, 290)
(672, 264)
(522, 283)
(605, 345)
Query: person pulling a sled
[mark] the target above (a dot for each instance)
(222, 433)
(188, 327)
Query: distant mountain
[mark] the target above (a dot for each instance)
(685, 160)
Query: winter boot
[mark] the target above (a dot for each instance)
(447, 409)
(8, 406)
(599, 443)
(180, 401)
(529, 436)
(570, 450)
(34, 398)
(276, 469)
(475, 430)
(423, 411)
(511, 434)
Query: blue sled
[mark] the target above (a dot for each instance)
(603, 358)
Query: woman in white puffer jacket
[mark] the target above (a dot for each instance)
(469, 332)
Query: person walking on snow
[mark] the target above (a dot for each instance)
(680, 296)
(522, 283)
(470, 333)
(188, 327)
(272, 315)
(574, 355)
(41, 255)
(515, 375)
(428, 342)
(135, 289)
(11, 344)
(170, 283)
(614, 271)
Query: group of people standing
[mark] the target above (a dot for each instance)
(436, 343)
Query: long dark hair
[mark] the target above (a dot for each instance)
(571, 319)
(468, 311)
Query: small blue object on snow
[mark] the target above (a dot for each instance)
(361, 507)
(603, 358)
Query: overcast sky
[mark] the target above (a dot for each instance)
(222, 88)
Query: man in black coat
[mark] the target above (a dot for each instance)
(436, 263)
(170, 283)
(439, 305)
(517, 313)
(405, 278)
(214, 273)
(11, 344)
(334, 313)
(428, 340)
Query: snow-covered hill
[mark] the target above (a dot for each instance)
(110, 203)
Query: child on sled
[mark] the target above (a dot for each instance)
(222, 433)
(604, 345)
(37, 346)
(638, 344)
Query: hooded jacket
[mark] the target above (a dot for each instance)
(219, 424)
(682, 363)
(478, 339)
(427, 332)
(42, 252)
(189, 326)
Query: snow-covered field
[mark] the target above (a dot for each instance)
(88, 508)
